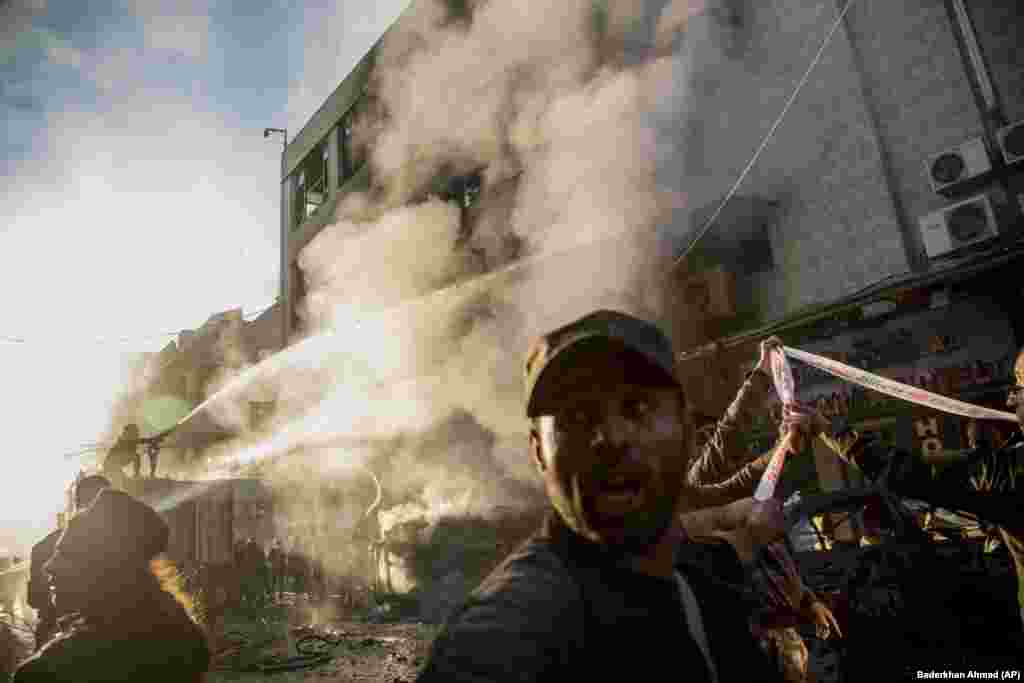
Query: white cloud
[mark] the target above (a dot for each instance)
(182, 26)
(66, 54)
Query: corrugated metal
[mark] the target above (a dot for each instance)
(182, 521)
(213, 523)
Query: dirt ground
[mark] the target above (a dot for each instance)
(256, 645)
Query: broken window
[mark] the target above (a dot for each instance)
(355, 131)
(311, 187)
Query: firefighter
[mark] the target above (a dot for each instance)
(39, 597)
(254, 578)
(123, 453)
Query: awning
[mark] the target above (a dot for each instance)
(957, 271)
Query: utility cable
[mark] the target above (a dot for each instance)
(768, 136)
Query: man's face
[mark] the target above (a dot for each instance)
(612, 450)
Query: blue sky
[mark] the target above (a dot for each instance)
(138, 195)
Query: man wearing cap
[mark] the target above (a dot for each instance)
(128, 627)
(39, 599)
(596, 591)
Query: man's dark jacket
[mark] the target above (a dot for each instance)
(39, 585)
(151, 639)
(556, 610)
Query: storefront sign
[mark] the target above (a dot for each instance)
(964, 347)
(930, 433)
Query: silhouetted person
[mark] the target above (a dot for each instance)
(123, 453)
(39, 597)
(126, 625)
(153, 454)
(254, 579)
(276, 558)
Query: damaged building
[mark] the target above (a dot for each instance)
(878, 201)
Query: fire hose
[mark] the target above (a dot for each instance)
(313, 650)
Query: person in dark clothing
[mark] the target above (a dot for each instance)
(773, 581)
(985, 481)
(39, 597)
(123, 453)
(297, 567)
(254, 578)
(126, 624)
(278, 569)
(602, 589)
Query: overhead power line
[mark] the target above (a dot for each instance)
(768, 136)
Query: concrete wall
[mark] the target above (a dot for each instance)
(848, 163)
(823, 166)
(915, 80)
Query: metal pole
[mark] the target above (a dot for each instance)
(283, 294)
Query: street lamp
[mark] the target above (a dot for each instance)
(283, 279)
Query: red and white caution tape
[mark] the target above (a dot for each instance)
(785, 386)
(898, 389)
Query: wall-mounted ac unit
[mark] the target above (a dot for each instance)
(959, 225)
(960, 167)
(1011, 142)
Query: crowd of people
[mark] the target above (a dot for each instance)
(654, 543)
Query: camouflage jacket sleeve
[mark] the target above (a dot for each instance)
(725, 452)
(723, 471)
(740, 484)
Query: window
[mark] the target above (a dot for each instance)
(311, 187)
(354, 133)
(471, 191)
(299, 205)
(465, 191)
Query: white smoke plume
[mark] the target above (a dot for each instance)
(567, 134)
(414, 327)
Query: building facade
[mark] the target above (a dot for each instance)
(887, 199)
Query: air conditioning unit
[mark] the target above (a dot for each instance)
(959, 225)
(1011, 142)
(957, 168)
(712, 292)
